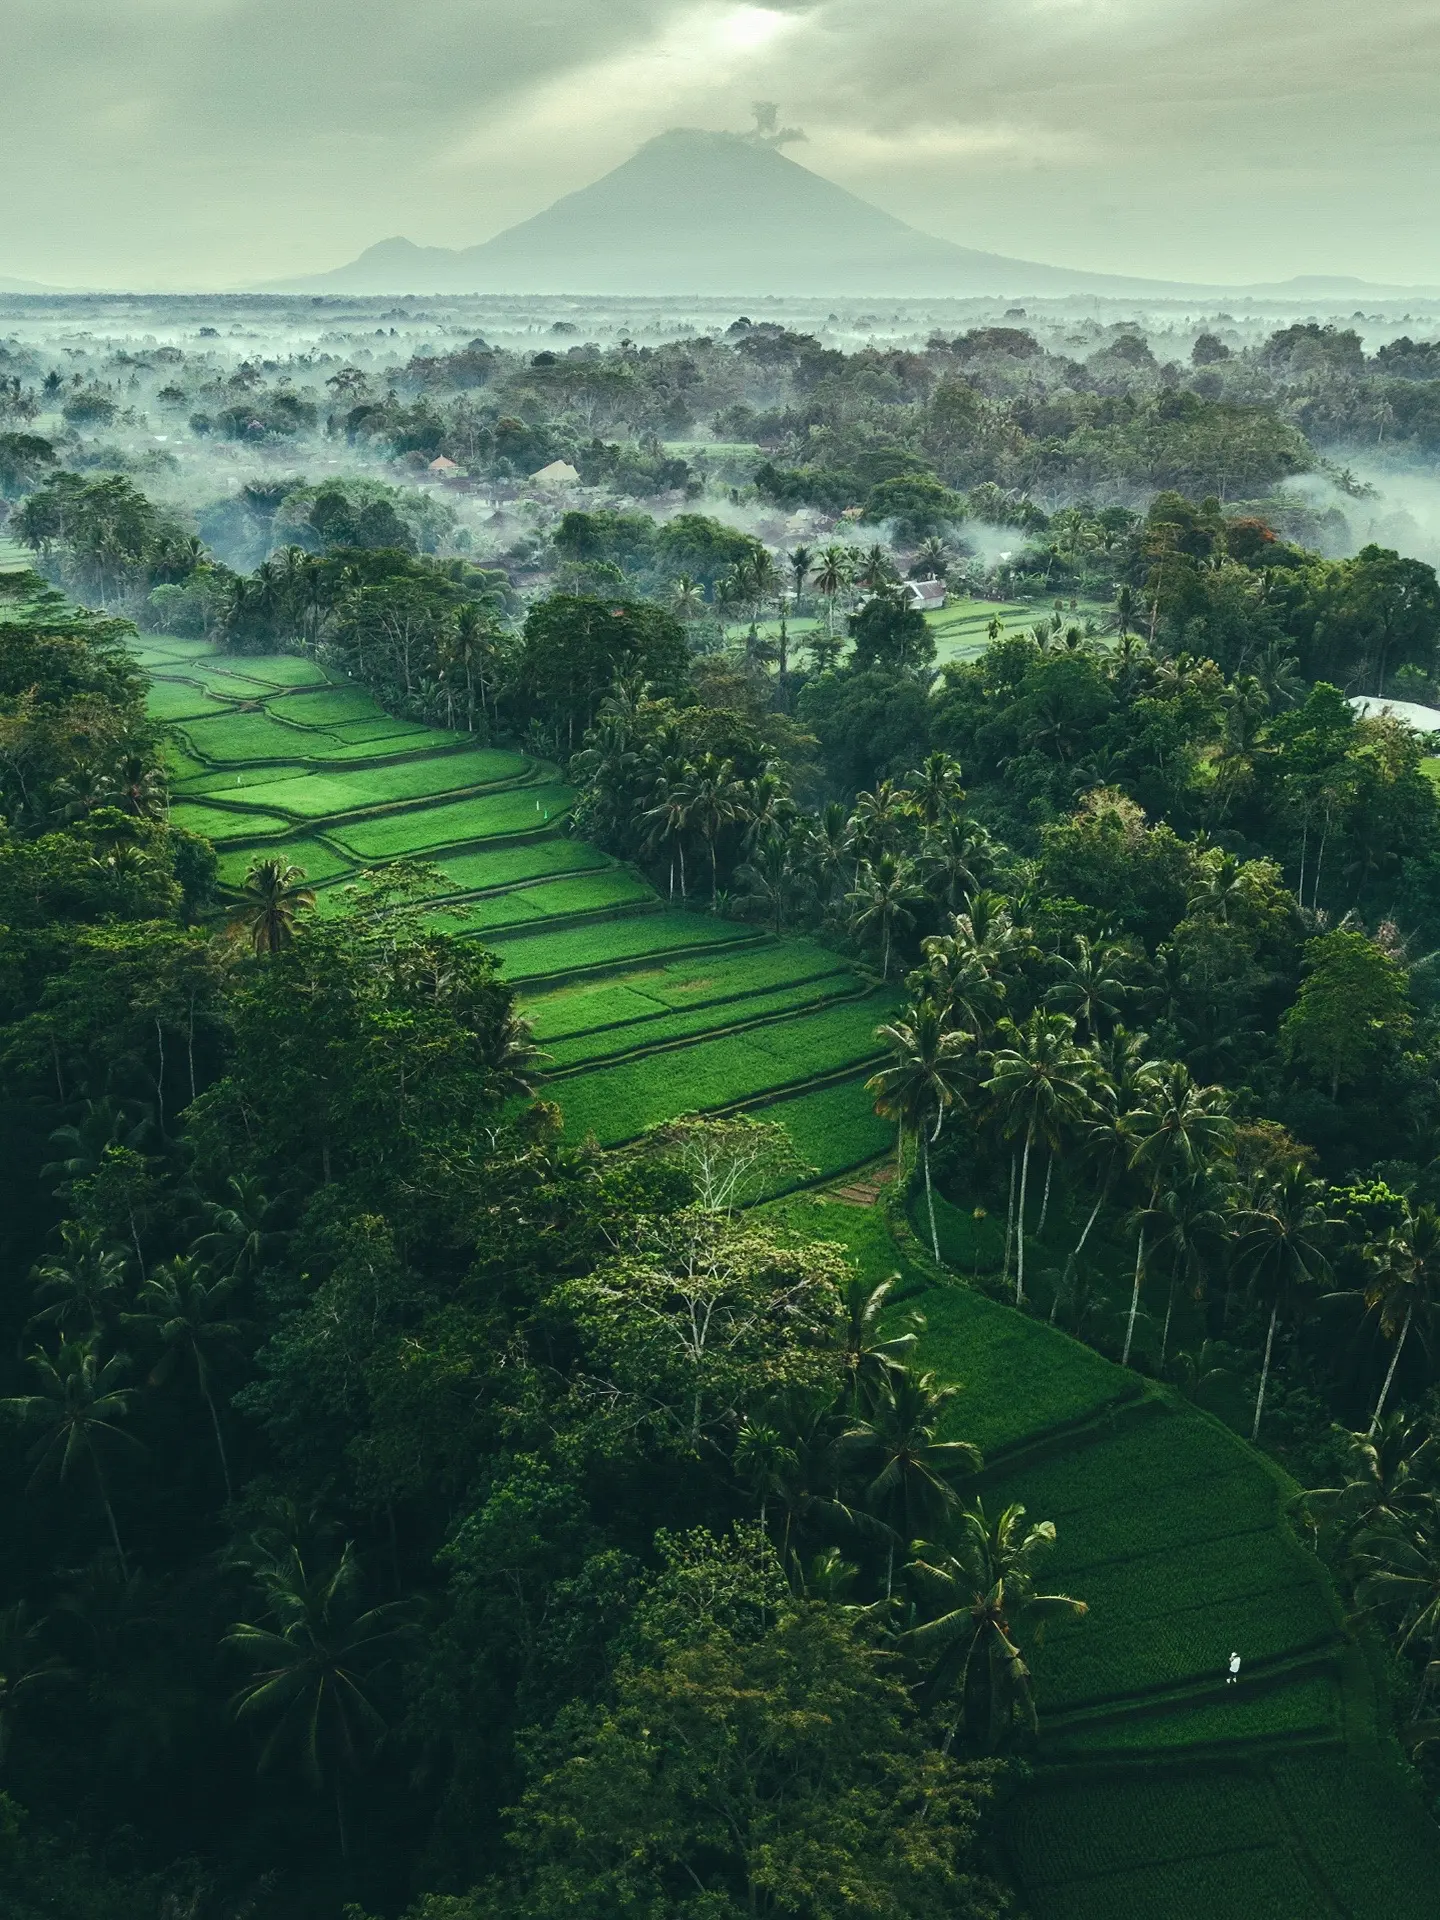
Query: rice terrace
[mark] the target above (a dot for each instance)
(1156, 1789)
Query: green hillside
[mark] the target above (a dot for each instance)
(1158, 1790)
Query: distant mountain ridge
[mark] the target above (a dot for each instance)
(695, 213)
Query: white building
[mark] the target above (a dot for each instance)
(1422, 719)
(926, 596)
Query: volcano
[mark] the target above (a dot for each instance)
(695, 213)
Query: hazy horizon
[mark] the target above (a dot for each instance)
(219, 143)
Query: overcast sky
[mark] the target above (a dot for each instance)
(169, 143)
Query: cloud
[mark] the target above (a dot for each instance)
(679, 68)
(219, 141)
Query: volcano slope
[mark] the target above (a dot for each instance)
(646, 1011)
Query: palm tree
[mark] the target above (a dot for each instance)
(873, 1364)
(876, 570)
(514, 1057)
(312, 1664)
(771, 879)
(1189, 1225)
(958, 856)
(81, 1283)
(1125, 611)
(473, 650)
(833, 573)
(909, 1476)
(800, 560)
(1041, 1084)
(668, 815)
(26, 1670)
(137, 786)
(1398, 1562)
(99, 1138)
(687, 597)
(274, 894)
(182, 1307)
(932, 559)
(1104, 1148)
(764, 1461)
(989, 928)
(957, 979)
(884, 892)
(879, 821)
(767, 806)
(927, 1076)
(1092, 984)
(980, 1602)
(1391, 1475)
(79, 1407)
(713, 798)
(241, 1230)
(1175, 1129)
(1404, 1282)
(1280, 1245)
(832, 848)
(935, 790)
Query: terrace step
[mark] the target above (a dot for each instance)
(357, 816)
(776, 1096)
(645, 1050)
(627, 963)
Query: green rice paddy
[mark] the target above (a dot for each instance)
(652, 1011)
(1158, 1790)
(456, 824)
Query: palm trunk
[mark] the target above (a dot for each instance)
(1165, 1330)
(110, 1517)
(1134, 1298)
(1079, 1247)
(929, 1196)
(1009, 1225)
(1390, 1372)
(1020, 1223)
(1265, 1374)
(1045, 1202)
(219, 1445)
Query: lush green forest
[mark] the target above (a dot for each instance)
(689, 1241)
